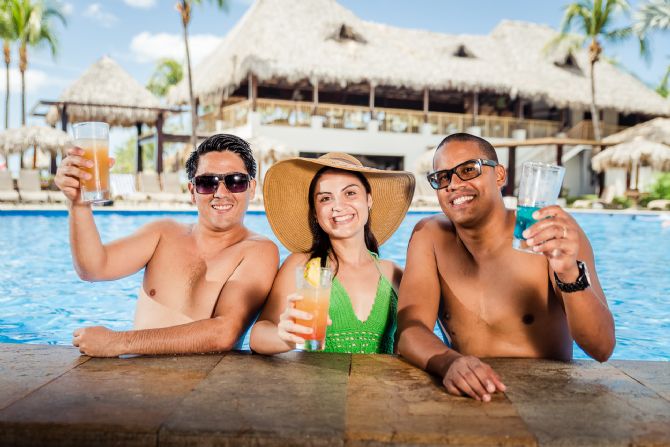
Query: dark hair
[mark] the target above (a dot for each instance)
(321, 245)
(486, 148)
(221, 143)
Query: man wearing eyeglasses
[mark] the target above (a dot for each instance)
(490, 299)
(203, 282)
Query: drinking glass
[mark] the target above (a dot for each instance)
(93, 138)
(539, 187)
(314, 287)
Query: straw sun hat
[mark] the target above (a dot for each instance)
(286, 189)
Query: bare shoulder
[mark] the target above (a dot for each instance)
(259, 245)
(392, 271)
(166, 227)
(295, 259)
(433, 227)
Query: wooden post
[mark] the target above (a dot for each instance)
(519, 109)
(138, 153)
(63, 118)
(426, 104)
(559, 154)
(637, 176)
(159, 144)
(315, 96)
(53, 167)
(511, 172)
(475, 108)
(253, 90)
(372, 101)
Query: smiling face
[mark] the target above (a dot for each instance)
(221, 210)
(342, 205)
(466, 202)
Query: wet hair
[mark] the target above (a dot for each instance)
(222, 143)
(487, 150)
(321, 245)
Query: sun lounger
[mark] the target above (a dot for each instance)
(172, 186)
(150, 185)
(30, 188)
(7, 191)
(659, 204)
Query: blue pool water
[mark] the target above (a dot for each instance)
(42, 300)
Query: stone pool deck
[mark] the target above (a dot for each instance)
(52, 396)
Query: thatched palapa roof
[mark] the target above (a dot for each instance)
(106, 83)
(638, 151)
(46, 138)
(321, 40)
(657, 130)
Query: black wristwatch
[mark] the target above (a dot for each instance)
(580, 284)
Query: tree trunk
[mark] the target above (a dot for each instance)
(7, 51)
(186, 18)
(595, 116)
(23, 65)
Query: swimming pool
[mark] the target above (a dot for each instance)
(43, 300)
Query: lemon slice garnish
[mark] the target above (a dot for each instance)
(313, 272)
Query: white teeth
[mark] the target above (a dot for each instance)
(462, 199)
(343, 218)
(222, 207)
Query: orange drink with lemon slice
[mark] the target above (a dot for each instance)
(313, 285)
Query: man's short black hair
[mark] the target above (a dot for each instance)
(487, 150)
(221, 143)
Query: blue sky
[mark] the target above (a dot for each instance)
(138, 32)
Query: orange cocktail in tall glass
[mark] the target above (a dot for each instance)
(313, 285)
(93, 138)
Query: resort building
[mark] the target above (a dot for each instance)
(313, 76)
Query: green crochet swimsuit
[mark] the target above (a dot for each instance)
(373, 336)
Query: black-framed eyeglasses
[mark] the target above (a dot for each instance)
(465, 171)
(235, 182)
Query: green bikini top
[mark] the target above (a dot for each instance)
(348, 334)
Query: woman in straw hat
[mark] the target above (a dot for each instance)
(338, 210)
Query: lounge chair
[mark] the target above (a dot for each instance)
(122, 186)
(172, 186)
(150, 185)
(30, 188)
(7, 191)
(659, 204)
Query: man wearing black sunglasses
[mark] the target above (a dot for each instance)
(490, 299)
(203, 282)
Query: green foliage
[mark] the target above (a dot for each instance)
(125, 157)
(168, 72)
(621, 203)
(34, 23)
(572, 199)
(663, 88)
(661, 187)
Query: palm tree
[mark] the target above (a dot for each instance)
(654, 16)
(35, 27)
(594, 20)
(168, 72)
(9, 35)
(184, 8)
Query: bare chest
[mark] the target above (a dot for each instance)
(185, 279)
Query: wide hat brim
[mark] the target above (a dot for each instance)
(286, 190)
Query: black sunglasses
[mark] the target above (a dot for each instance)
(465, 171)
(208, 183)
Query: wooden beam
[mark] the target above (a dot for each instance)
(426, 104)
(372, 101)
(63, 118)
(559, 154)
(138, 153)
(511, 172)
(253, 90)
(159, 144)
